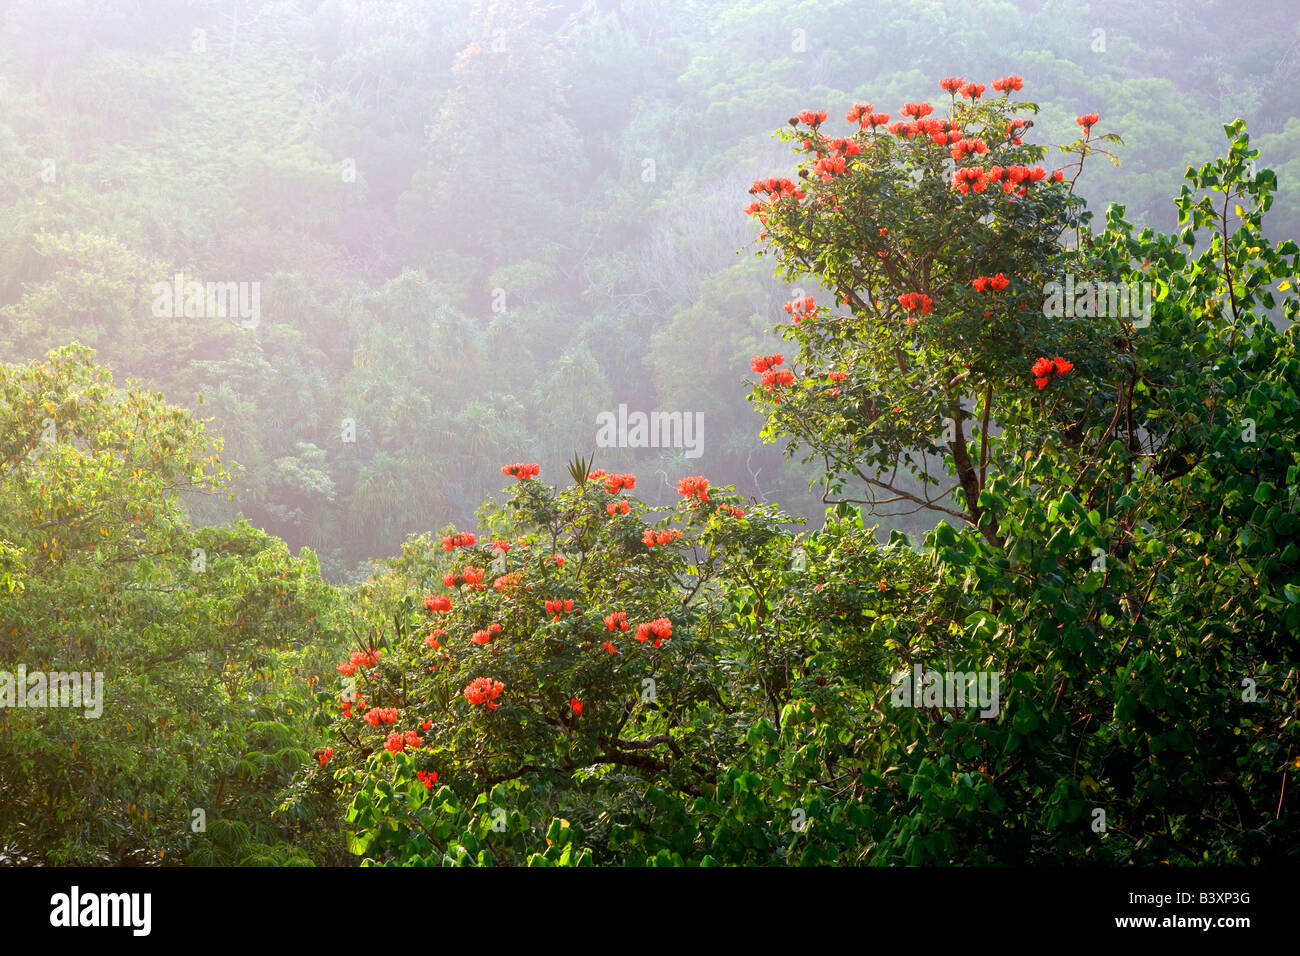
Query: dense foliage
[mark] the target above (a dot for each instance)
(1100, 488)
(1137, 486)
(207, 639)
(385, 169)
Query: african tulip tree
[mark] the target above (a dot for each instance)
(1133, 478)
(935, 236)
(1123, 580)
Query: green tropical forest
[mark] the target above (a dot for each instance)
(642, 433)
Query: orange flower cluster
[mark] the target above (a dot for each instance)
(558, 607)
(812, 117)
(521, 471)
(359, 659)
(973, 145)
(507, 583)
(776, 188)
(696, 486)
(461, 539)
(661, 628)
(650, 537)
(483, 690)
(613, 483)
(1044, 368)
(618, 507)
(437, 602)
(916, 302)
(969, 177)
(617, 621)
(375, 715)
(471, 577)
(940, 131)
(991, 283)
(483, 636)
(400, 741)
(771, 379)
(858, 111)
(1013, 178)
(827, 167)
(862, 115)
(805, 308)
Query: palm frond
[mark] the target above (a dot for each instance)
(579, 468)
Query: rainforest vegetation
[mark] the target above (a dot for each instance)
(951, 513)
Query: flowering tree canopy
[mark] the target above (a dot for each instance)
(703, 683)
